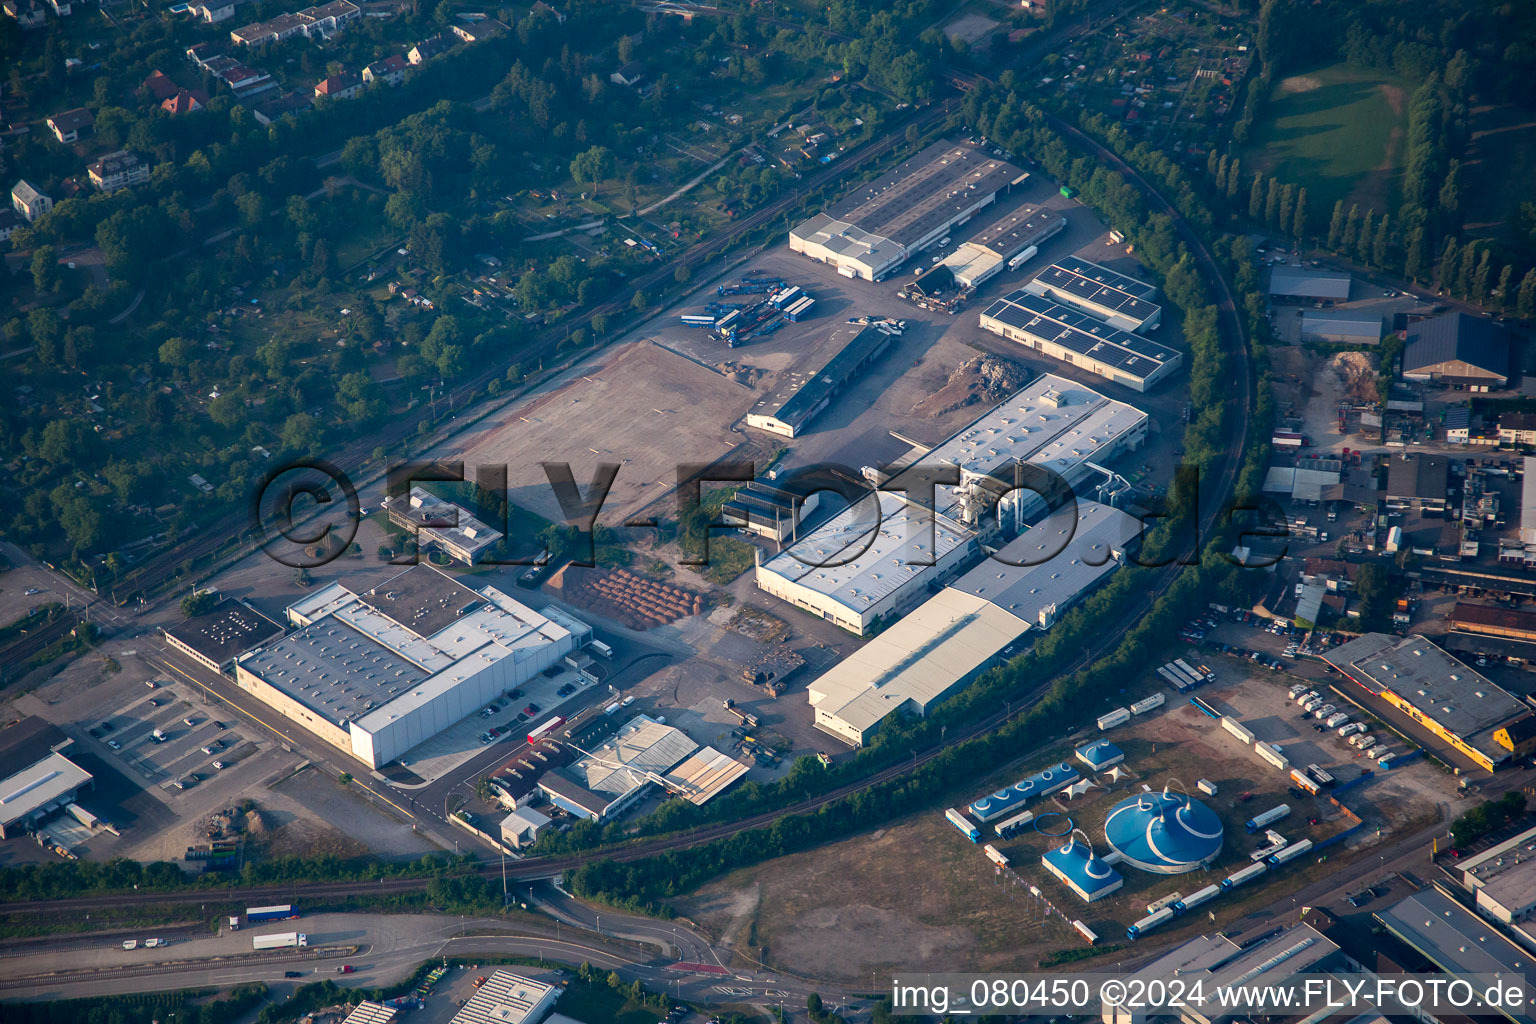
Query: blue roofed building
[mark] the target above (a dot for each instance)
(1167, 833)
(1012, 799)
(1082, 870)
(1100, 755)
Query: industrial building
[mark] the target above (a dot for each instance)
(39, 781)
(1294, 283)
(1109, 295)
(1457, 348)
(768, 511)
(968, 626)
(1167, 833)
(370, 1012)
(1502, 878)
(1343, 328)
(375, 672)
(609, 779)
(1053, 423)
(1458, 942)
(1081, 870)
(1450, 699)
(852, 571)
(522, 827)
(801, 397)
(508, 998)
(1211, 963)
(1073, 337)
(1419, 482)
(704, 775)
(984, 256)
(440, 524)
(215, 638)
(1490, 620)
(872, 231)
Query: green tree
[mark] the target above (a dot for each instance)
(592, 165)
(1380, 242)
(1272, 203)
(1299, 220)
(1283, 219)
(1351, 230)
(45, 270)
(360, 396)
(1234, 179)
(1367, 234)
(198, 602)
(177, 352)
(1525, 305)
(1445, 271)
(299, 432)
(1479, 291)
(1256, 197)
(1414, 255)
(1336, 225)
(1505, 299)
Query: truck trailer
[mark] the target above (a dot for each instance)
(1269, 817)
(280, 940)
(279, 912)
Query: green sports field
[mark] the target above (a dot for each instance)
(1339, 131)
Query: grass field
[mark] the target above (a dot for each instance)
(1499, 166)
(1339, 131)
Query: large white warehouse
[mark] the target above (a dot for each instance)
(964, 629)
(850, 572)
(1118, 300)
(874, 230)
(377, 672)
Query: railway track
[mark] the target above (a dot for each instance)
(152, 574)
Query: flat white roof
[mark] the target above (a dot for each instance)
(505, 998)
(643, 746)
(38, 785)
(1052, 422)
(1060, 561)
(876, 563)
(920, 660)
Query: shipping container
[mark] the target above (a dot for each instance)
(995, 855)
(280, 912)
(1189, 670)
(1237, 729)
(1119, 716)
(1304, 781)
(960, 822)
(1244, 876)
(698, 320)
(280, 940)
(1164, 901)
(1290, 853)
(800, 309)
(1265, 852)
(1195, 899)
(847, 272)
(1014, 824)
(1149, 922)
(1146, 704)
(1268, 752)
(1269, 817)
(1176, 680)
(1085, 932)
(1206, 786)
(1182, 680)
(1205, 709)
(599, 648)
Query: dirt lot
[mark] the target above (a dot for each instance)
(644, 407)
(917, 895)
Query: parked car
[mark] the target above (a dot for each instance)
(114, 744)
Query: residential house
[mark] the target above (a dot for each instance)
(10, 220)
(427, 49)
(274, 108)
(213, 12)
(122, 169)
(321, 22)
(159, 86)
(389, 71)
(339, 87)
(1517, 429)
(480, 31)
(186, 101)
(27, 13)
(246, 82)
(29, 202)
(66, 127)
(629, 75)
